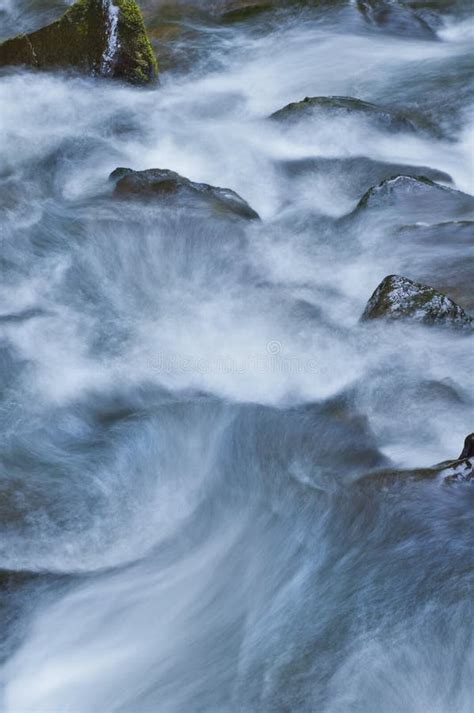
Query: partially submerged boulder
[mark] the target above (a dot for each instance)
(342, 107)
(241, 10)
(398, 18)
(99, 37)
(400, 298)
(417, 195)
(356, 174)
(157, 183)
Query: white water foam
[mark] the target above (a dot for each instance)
(112, 11)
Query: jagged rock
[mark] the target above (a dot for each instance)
(100, 37)
(157, 183)
(341, 107)
(398, 18)
(400, 298)
(419, 195)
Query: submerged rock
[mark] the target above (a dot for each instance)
(355, 175)
(157, 183)
(341, 107)
(440, 254)
(240, 10)
(400, 298)
(100, 37)
(398, 18)
(418, 194)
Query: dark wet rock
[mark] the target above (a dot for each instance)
(245, 10)
(399, 18)
(102, 38)
(342, 107)
(157, 183)
(419, 194)
(468, 449)
(400, 298)
(460, 470)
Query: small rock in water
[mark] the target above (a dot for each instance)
(400, 298)
(155, 183)
(341, 107)
(100, 37)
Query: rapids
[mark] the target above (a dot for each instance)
(187, 406)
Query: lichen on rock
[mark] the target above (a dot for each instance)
(400, 298)
(98, 37)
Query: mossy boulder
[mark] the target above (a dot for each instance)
(400, 298)
(99, 37)
(162, 184)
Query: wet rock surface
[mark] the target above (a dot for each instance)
(103, 38)
(398, 18)
(343, 107)
(400, 298)
(158, 184)
(416, 198)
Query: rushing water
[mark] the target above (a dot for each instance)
(188, 405)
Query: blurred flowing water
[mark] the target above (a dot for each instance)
(189, 405)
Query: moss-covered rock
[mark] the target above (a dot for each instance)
(100, 37)
(157, 183)
(342, 107)
(400, 298)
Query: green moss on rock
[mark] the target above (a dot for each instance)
(157, 184)
(99, 37)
